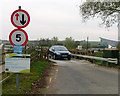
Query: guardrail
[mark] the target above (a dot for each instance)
(107, 60)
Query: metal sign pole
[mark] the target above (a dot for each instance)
(19, 7)
(23, 20)
(17, 74)
(17, 80)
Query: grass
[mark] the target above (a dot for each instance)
(4, 75)
(25, 80)
(111, 65)
(98, 54)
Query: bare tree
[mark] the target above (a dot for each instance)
(107, 11)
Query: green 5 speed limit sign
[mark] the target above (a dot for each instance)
(18, 37)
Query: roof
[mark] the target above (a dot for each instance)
(58, 46)
(109, 42)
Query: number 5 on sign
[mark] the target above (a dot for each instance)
(18, 37)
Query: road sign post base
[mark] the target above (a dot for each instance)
(17, 81)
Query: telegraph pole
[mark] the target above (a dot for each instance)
(87, 42)
(118, 24)
(118, 43)
(118, 30)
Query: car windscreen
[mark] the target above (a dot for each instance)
(60, 48)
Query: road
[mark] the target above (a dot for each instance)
(80, 77)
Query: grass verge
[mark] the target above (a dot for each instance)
(25, 80)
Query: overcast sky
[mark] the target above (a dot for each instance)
(51, 18)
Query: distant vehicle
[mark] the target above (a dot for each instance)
(59, 52)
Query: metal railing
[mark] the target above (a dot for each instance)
(107, 60)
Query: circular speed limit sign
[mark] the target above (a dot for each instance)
(18, 37)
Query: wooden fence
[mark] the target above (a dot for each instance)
(74, 51)
(36, 53)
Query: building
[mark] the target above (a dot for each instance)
(106, 43)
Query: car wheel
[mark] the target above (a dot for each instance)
(54, 57)
(50, 56)
(69, 58)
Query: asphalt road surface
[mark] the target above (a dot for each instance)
(80, 77)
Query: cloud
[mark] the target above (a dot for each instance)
(50, 18)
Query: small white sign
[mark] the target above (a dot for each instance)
(17, 63)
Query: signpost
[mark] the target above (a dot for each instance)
(18, 63)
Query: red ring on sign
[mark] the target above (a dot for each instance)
(15, 31)
(20, 10)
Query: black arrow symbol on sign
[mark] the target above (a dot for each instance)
(23, 21)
